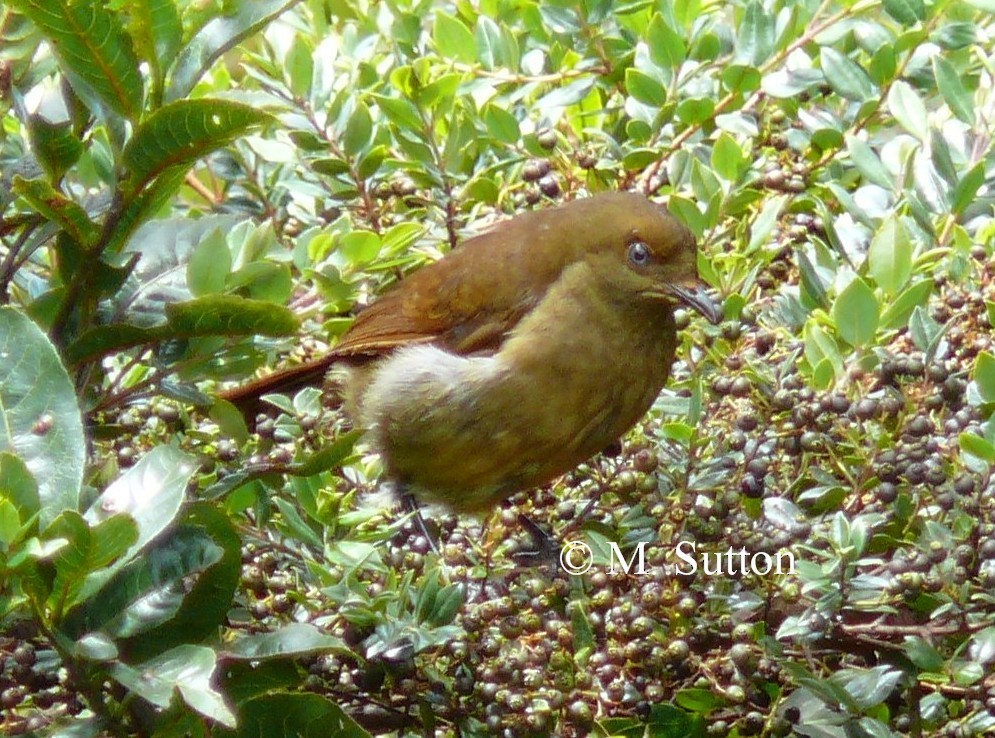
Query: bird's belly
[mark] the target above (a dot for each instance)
(466, 432)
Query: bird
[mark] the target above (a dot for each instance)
(517, 356)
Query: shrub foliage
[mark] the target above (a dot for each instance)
(190, 192)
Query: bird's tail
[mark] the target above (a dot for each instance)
(247, 397)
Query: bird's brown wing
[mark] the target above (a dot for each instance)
(467, 302)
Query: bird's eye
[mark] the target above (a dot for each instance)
(639, 253)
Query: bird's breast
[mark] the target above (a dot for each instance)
(574, 375)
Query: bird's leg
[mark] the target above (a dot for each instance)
(545, 550)
(411, 505)
(612, 451)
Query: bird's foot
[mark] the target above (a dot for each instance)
(545, 550)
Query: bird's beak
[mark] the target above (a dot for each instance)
(694, 294)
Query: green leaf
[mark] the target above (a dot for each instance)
(908, 108)
(225, 315)
(209, 265)
(896, 315)
(58, 209)
(741, 78)
(10, 522)
(358, 131)
(698, 700)
(845, 77)
(295, 639)
(889, 258)
(501, 124)
(359, 247)
(299, 67)
(644, 88)
(55, 144)
(906, 12)
(983, 375)
(213, 552)
(210, 315)
(868, 163)
(812, 285)
(160, 21)
(278, 714)
(151, 492)
(219, 35)
(141, 208)
(179, 133)
(728, 159)
(856, 313)
(687, 211)
(695, 110)
(923, 654)
(490, 43)
(39, 418)
(18, 486)
(755, 40)
(966, 190)
(330, 456)
(954, 36)
(453, 39)
(402, 113)
(94, 50)
(975, 445)
(188, 670)
(666, 46)
(949, 81)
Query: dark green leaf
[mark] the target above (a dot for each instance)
(188, 670)
(229, 316)
(856, 313)
(58, 209)
(209, 265)
(967, 189)
(296, 639)
(950, 84)
(698, 700)
(330, 456)
(755, 40)
(160, 22)
(983, 375)
(178, 134)
(644, 88)
(94, 49)
(923, 654)
(295, 715)
(845, 76)
(218, 36)
(666, 46)
(214, 552)
(39, 418)
(55, 144)
(906, 12)
(896, 315)
(889, 258)
(908, 108)
(453, 39)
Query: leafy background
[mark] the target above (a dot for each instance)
(193, 191)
